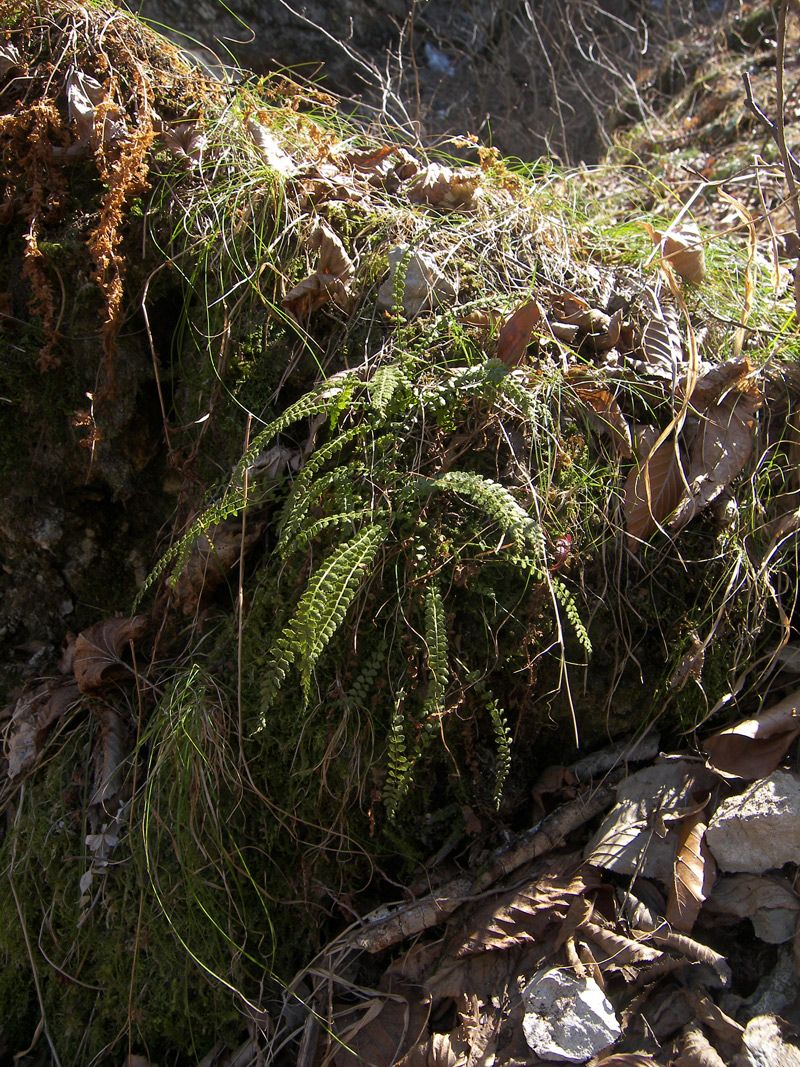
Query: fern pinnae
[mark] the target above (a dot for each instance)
(502, 736)
(329, 593)
(302, 539)
(436, 642)
(340, 480)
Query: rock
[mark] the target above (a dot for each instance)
(567, 1019)
(759, 829)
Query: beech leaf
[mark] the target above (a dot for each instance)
(99, 652)
(719, 452)
(754, 748)
(445, 187)
(652, 490)
(682, 248)
(694, 872)
(606, 415)
(514, 337)
(330, 281)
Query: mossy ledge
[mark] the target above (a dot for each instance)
(273, 364)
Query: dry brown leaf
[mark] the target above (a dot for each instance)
(772, 1041)
(606, 415)
(274, 156)
(97, 119)
(446, 188)
(186, 140)
(387, 1028)
(330, 281)
(683, 249)
(661, 344)
(738, 896)
(694, 875)
(652, 489)
(525, 914)
(619, 950)
(710, 386)
(720, 450)
(755, 747)
(212, 559)
(109, 756)
(514, 337)
(33, 717)
(99, 652)
(697, 1050)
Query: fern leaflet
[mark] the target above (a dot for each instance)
(436, 641)
(502, 736)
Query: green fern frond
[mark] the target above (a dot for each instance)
(323, 398)
(436, 642)
(494, 499)
(302, 539)
(399, 767)
(384, 384)
(502, 736)
(567, 601)
(320, 611)
(341, 481)
(178, 554)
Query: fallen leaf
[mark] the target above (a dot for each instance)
(212, 559)
(652, 489)
(606, 415)
(514, 337)
(697, 1050)
(330, 281)
(186, 140)
(389, 1026)
(718, 379)
(32, 719)
(661, 344)
(739, 896)
(274, 156)
(682, 248)
(753, 748)
(694, 872)
(96, 118)
(424, 284)
(446, 188)
(718, 454)
(99, 652)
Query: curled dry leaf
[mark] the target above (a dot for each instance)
(99, 652)
(514, 337)
(662, 345)
(446, 188)
(753, 748)
(96, 118)
(606, 415)
(652, 489)
(213, 558)
(185, 140)
(9, 58)
(719, 452)
(695, 871)
(330, 281)
(683, 249)
(274, 156)
(33, 717)
(697, 1050)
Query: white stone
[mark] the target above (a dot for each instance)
(567, 1019)
(760, 829)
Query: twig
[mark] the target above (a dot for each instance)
(433, 909)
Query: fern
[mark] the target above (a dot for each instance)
(502, 736)
(384, 384)
(308, 533)
(436, 641)
(178, 554)
(399, 766)
(567, 601)
(321, 610)
(492, 498)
